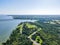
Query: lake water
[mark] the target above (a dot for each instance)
(7, 26)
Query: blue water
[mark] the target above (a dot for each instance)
(7, 26)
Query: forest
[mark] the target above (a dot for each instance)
(38, 32)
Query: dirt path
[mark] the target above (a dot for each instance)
(34, 42)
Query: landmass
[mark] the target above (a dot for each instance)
(35, 33)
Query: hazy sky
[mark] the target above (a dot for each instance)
(29, 6)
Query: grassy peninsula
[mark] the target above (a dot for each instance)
(34, 33)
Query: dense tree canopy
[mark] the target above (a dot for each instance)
(49, 35)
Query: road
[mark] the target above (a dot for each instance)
(34, 42)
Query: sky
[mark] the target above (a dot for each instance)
(40, 7)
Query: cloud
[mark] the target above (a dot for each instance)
(42, 11)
